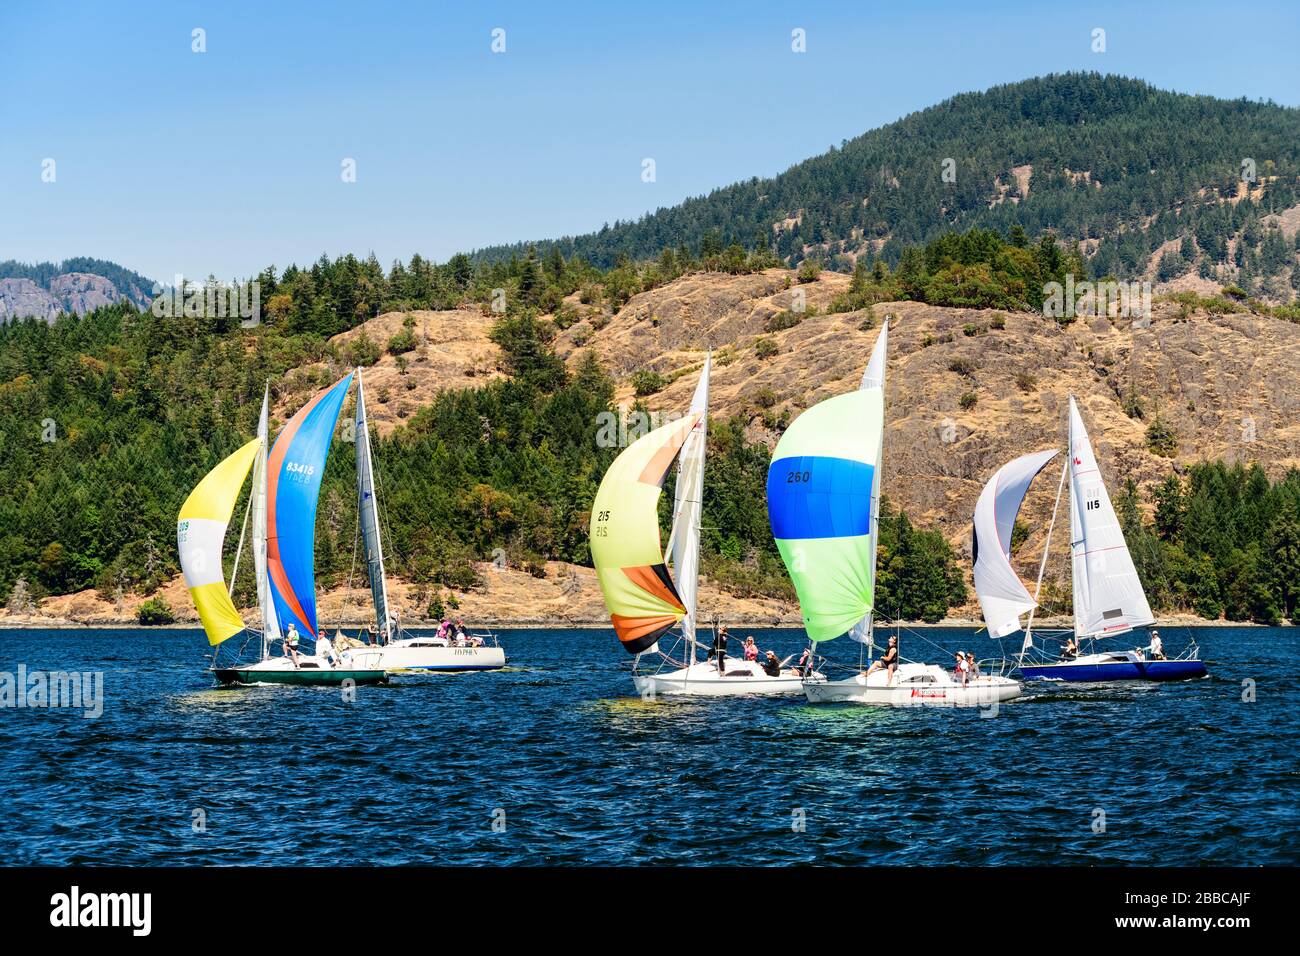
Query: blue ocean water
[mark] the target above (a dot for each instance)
(572, 767)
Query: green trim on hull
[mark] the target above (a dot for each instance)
(311, 678)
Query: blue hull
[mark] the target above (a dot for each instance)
(1115, 670)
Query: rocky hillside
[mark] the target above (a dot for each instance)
(1225, 384)
(967, 391)
(76, 287)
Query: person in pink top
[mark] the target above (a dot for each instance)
(751, 649)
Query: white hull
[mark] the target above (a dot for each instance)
(913, 685)
(365, 659)
(703, 680)
(429, 655)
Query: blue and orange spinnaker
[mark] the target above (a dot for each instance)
(294, 471)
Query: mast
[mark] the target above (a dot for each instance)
(368, 505)
(270, 623)
(684, 538)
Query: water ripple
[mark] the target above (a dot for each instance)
(549, 762)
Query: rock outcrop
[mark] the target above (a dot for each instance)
(72, 292)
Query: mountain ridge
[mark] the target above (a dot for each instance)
(1111, 162)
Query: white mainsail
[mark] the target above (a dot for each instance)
(1002, 595)
(368, 510)
(687, 506)
(874, 377)
(270, 621)
(1108, 597)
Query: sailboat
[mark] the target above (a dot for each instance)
(286, 484)
(644, 599)
(1108, 596)
(399, 650)
(823, 499)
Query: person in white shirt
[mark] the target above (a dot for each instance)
(324, 649)
(1157, 647)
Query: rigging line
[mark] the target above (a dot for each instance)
(356, 537)
(234, 572)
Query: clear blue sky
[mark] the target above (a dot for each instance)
(170, 161)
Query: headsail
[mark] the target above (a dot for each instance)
(820, 489)
(642, 600)
(1108, 597)
(200, 531)
(368, 508)
(1003, 596)
(688, 502)
(294, 472)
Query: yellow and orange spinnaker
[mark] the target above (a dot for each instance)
(200, 531)
(625, 545)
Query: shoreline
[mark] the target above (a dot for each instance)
(49, 624)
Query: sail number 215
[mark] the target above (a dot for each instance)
(602, 529)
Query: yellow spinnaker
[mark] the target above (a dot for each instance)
(200, 531)
(639, 593)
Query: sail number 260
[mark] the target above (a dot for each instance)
(798, 477)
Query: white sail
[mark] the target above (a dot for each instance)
(368, 510)
(270, 622)
(874, 377)
(1108, 597)
(1002, 595)
(687, 505)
